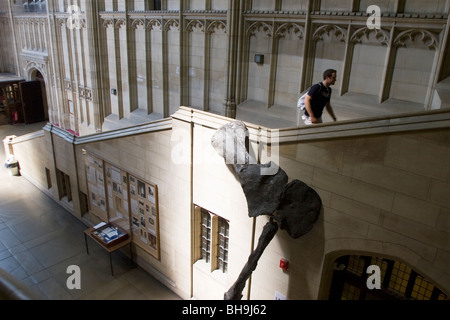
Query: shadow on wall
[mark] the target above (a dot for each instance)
(306, 257)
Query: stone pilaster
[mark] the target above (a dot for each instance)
(93, 25)
(232, 58)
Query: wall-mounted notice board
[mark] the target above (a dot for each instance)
(144, 215)
(96, 187)
(117, 191)
(126, 200)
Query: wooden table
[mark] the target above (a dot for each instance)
(111, 249)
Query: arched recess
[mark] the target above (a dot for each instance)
(34, 93)
(377, 250)
(415, 63)
(328, 51)
(258, 41)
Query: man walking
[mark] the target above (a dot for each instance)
(318, 98)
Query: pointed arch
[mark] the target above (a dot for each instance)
(331, 30)
(362, 35)
(428, 39)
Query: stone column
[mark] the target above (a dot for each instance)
(207, 68)
(131, 58)
(55, 54)
(388, 71)
(165, 68)
(148, 64)
(232, 55)
(117, 55)
(13, 32)
(273, 68)
(184, 56)
(348, 59)
(93, 25)
(309, 49)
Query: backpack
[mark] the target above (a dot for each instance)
(301, 101)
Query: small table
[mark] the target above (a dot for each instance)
(111, 249)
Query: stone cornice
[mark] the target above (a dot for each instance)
(408, 122)
(154, 126)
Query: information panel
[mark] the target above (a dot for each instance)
(96, 187)
(117, 191)
(144, 215)
(126, 200)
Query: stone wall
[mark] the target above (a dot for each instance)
(383, 196)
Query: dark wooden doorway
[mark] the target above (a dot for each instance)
(32, 101)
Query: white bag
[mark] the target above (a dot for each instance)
(301, 101)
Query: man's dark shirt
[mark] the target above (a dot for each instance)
(320, 97)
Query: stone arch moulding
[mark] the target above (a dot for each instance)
(119, 23)
(362, 36)
(330, 29)
(108, 23)
(206, 26)
(257, 26)
(152, 23)
(196, 23)
(428, 38)
(284, 28)
(171, 23)
(31, 67)
(216, 25)
(137, 23)
(340, 247)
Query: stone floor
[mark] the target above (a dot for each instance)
(350, 106)
(39, 240)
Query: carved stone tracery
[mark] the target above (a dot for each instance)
(362, 36)
(330, 30)
(427, 38)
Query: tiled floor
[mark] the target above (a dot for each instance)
(39, 240)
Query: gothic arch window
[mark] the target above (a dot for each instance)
(397, 279)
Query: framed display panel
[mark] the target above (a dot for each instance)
(95, 179)
(117, 194)
(144, 215)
